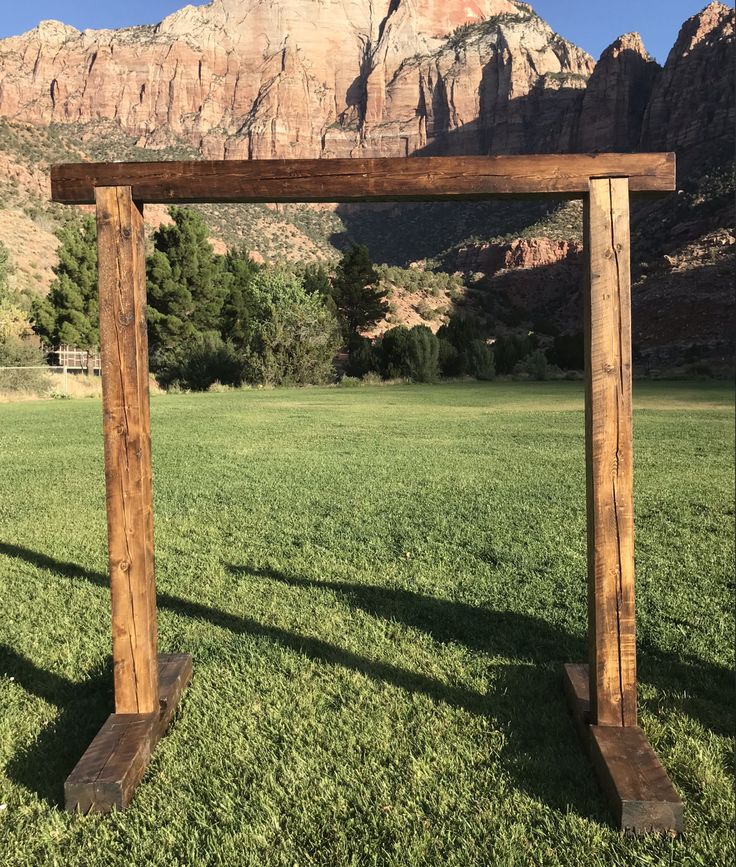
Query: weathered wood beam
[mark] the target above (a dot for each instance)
(349, 180)
(109, 771)
(609, 456)
(633, 779)
(127, 436)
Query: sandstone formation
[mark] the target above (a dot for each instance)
(617, 96)
(693, 102)
(333, 78)
(256, 78)
(491, 258)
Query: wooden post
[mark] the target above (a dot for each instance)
(602, 695)
(127, 432)
(609, 456)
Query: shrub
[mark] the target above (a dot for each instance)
(510, 349)
(536, 366)
(18, 353)
(478, 360)
(463, 352)
(568, 351)
(202, 363)
(410, 353)
(424, 351)
(362, 357)
(449, 359)
(292, 336)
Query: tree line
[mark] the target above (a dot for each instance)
(218, 318)
(224, 318)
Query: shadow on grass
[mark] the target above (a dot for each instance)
(43, 765)
(702, 690)
(540, 755)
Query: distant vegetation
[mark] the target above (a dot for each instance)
(226, 320)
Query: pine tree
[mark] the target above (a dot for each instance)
(70, 312)
(238, 307)
(355, 291)
(186, 287)
(316, 281)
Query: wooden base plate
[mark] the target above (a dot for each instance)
(631, 775)
(113, 765)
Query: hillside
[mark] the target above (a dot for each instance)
(260, 79)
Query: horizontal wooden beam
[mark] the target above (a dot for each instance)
(362, 180)
(114, 763)
(636, 785)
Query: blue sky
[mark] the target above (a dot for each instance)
(591, 24)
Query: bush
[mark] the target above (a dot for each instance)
(479, 361)
(292, 336)
(536, 366)
(510, 349)
(424, 352)
(202, 363)
(362, 357)
(462, 350)
(568, 351)
(410, 354)
(449, 359)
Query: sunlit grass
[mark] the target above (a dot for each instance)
(379, 587)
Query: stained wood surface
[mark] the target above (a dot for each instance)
(127, 436)
(347, 180)
(109, 771)
(637, 786)
(633, 779)
(609, 456)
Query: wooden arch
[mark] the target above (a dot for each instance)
(601, 694)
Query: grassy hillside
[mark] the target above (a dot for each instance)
(379, 587)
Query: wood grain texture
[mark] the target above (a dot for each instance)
(633, 779)
(636, 784)
(126, 427)
(609, 456)
(348, 180)
(106, 776)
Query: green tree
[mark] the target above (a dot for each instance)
(359, 300)
(411, 353)
(238, 305)
(186, 287)
(316, 280)
(292, 336)
(70, 312)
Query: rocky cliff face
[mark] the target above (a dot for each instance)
(693, 103)
(616, 97)
(333, 78)
(255, 78)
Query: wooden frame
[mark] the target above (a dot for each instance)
(602, 694)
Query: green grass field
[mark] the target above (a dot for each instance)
(379, 587)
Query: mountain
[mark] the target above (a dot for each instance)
(334, 78)
(329, 78)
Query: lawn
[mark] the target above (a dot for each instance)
(379, 587)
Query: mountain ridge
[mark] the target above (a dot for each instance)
(255, 79)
